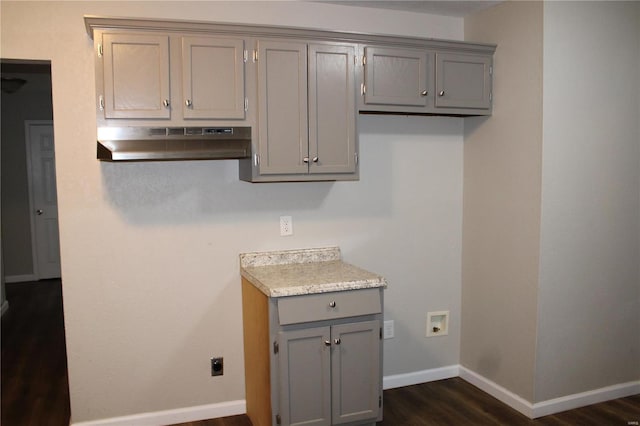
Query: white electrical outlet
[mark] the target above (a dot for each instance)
(388, 329)
(437, 323)
(286, 226)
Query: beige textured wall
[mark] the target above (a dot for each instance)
(501, 214)
(150, 274)
(589, 291)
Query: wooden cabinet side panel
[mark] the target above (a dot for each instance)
(255, 317)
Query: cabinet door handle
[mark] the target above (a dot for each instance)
(332, 304)
(315, 159)
(424, 93)
(188, 102)
(305, 160)
(337, 341)
(166, 103)
(327, 342)
(441, 93)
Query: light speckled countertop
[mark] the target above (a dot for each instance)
(309, 271)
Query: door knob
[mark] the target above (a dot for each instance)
(441, 93)
(166, 103)
(327, 343)
(188, 103)
(337, 341)
(39, 212)
(424, 93)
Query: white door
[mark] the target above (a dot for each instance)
(44, 200)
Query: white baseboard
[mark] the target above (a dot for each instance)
(168, 417)
(5, 307)
(495, 390)
(20, 278)
(232, 408)
(551, 406)
(581, 399)
(417, 377)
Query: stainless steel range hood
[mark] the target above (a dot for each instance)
(173, 143)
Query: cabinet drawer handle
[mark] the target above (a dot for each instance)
(166, 103)
(327, 342)
(441, 93)
(188, 102)
(337, 341)
(332, 304)
(424, 93)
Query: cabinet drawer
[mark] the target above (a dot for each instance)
(327, 306)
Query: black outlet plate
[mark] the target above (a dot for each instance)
(217, 366)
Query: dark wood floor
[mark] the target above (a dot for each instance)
(35, 388)
(456, 402)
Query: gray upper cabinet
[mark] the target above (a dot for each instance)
(174, 77)
(136, 76)
(282, 109)
(306, 112)
(396, 76)
(426, 81)
(299, 90)
(213, 78)
(332, 128)
(463, 81)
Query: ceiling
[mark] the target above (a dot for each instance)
(447, 7)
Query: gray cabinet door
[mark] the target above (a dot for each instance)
(136, 76)
(282, 107)
(463, 81)
(355, 371)
(213, 78)
(332, 134)
(396, 76)
(305, 387)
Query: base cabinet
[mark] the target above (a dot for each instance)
(313, 360)
(330, 375)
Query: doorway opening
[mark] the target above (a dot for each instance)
(35, 386)
(30, 241)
